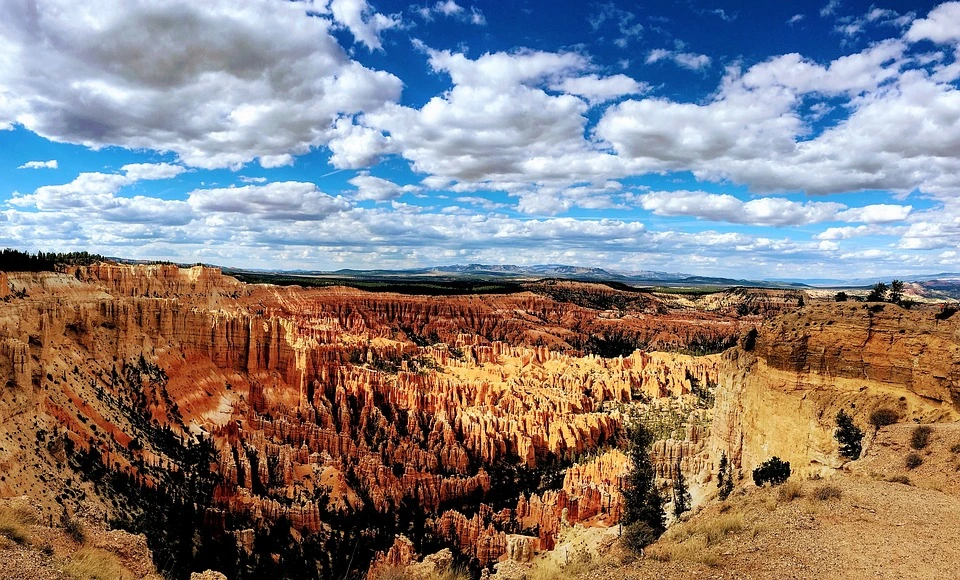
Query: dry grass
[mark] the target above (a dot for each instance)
(696, 541)
(826, 491)
(581, 562)
(790, 491)
(695, 549)
(452, 573)
(95, 564)
(13, 524)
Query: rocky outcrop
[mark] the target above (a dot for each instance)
(780, 391)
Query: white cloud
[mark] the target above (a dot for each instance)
(269, 83)
(52, 164)
(599, 90)
(765, 211)
(374, 188)
(450, 9)
(361, 20)
(497, 128)
(95, 195)
(95, 190)
(687, 60)
(942, 25)
(829, 8)
(277, 201)
(795, 19)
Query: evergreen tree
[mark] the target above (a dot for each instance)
(896, 291)
(773, 471)
(643, 516)
(878, 294)
(724, 478)
(681, 495)
(848, 435)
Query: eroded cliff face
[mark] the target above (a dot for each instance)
(274, 419)
(457, 420)
(780, 390)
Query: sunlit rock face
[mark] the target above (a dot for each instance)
(480, 423)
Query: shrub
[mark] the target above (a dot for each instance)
(772, 471)
(920, 437)
(955, 448)
(638, 535)
(913, 461)
(900, 479)
(826, 491)
(790, 491)
(74, 529)
(848, 435)
(840, 297)
(883, 416)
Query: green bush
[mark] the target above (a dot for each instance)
(773, 471)
(920, 437)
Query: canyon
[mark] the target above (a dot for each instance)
(318, 432)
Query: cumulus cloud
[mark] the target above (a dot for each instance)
(767, 211)
(283, 201)
(374, 188)
(94, 189)
(95, 194)
(360, 19)
(268, 84)
(942, 25)
(598, 90)
(498, 128)
(52, 164)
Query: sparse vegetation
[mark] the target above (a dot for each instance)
(883, 416)
(13, 524)
(913, 461)
(955, 448)
(773, 471)
(848, 435)
(790, 491)
(920, 437)
(696, 540)
(826, 492)
(95, 564)
(74, 529)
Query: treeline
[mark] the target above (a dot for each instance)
(17, 261)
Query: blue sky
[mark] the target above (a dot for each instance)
(779, 139)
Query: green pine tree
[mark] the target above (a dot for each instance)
(724, 478)
(643, 516)
(681, 495)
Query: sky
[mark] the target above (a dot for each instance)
(747, 139)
